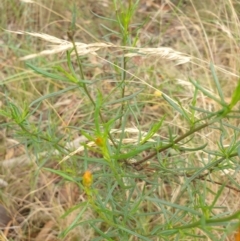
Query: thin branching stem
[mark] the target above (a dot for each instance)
(190, 132)
(123, 87)
(216, 163)
(211, 221)
(41, 137)
(71, 36)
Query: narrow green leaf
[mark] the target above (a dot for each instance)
(194, 102)
(52, 95)
(172, 103)
(153, 130)
(73, 208)
(110, 30)
(217, 83)
(176, 106)
(201, 110)
(216, 198)
(193, 149)
(129, 97)
(105, 18)
(207, 93)
(133, 233)
(45, 73)
(235, 96)
(98, 107)
(70, 77)
(60, 173)
(74, 14)
(173, 205)
(70, 66)
(75, 222)
(100, 232)
(132, 153)
(231, 126)
(186, 115)
(5, 113)
(168, 232)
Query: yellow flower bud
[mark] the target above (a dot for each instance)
(99, 141)
(237, 235)
(157, 93)
(87, 179)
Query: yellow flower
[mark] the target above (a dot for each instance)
(87, 179)
(99, 141)
(157, 93)
(237, 235)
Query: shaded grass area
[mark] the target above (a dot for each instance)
(52, 132)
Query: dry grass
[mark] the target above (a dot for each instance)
(192, 35)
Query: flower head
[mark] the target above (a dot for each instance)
(87, 179)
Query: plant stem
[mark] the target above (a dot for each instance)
(190, 132)
(71, 36)
(210, 221)
(123, 88)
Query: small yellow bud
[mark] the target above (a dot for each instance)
(157, 93)
(237, 235)
(87, 179)
(99, 141)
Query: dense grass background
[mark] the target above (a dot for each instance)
(61, 115)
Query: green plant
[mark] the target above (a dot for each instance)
(134, 169)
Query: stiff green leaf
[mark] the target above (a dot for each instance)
(134, 234)
(129, 97)
(194, 149)
(5, 113)
(75, 222)
(235, 96)
(74, 14)
(168, 232)
(52, 95)
(46, 74)
(153, 130)
(89, 137)
(70, 65)
(133, 153)
(98, 106)
(70, 77)
(176, 106)
(74, 208)
(217, 83)
(207, 93)
(173, 205)
(61, 174)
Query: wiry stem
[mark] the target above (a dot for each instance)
(71, 37)
(190, 132)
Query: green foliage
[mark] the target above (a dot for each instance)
(235, 96)
(133, 170)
